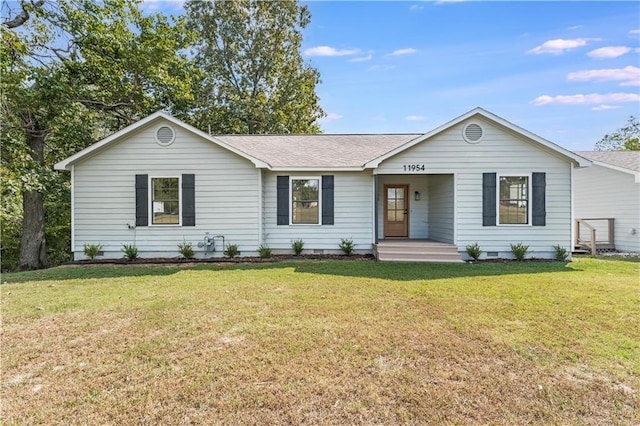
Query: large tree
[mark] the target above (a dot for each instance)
(255, 80)
(72, 71)
(626, 138)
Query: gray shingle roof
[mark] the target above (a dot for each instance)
(626, 159)
(316, 151)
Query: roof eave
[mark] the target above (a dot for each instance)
(317, 169)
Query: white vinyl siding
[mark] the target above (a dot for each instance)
(601, 192)
(503, 152)
(441, 208)
(352, 215)
(226, 195)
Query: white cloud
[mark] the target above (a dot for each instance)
(416, 8)
(415, 118)
(330, 117)
(634, 33)
(627, 76)
(609, 52)
(441, 2)
(575, 27)
(329, 51)
(560, 46)
(407, 51)
(605, 107)
(381, 67)
(361, 58)
(593, 98)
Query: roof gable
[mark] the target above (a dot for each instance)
(528, 136)
(121, 134)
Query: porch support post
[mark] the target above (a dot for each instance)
(375, 208)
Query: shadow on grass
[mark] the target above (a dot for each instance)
(614, 257)
(347, 268)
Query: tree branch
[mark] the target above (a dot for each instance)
(23, 16)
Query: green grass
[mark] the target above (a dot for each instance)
(323, 342)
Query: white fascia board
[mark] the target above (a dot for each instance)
(618, 168)
(67, 162)
(580, 161)
(316, 169)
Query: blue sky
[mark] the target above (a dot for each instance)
(567, 71)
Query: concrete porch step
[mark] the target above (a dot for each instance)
(417, 251)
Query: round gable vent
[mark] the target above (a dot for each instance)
(165, 135)
(473, 133)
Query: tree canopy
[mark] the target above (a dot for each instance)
(73, 71)
(254, 77)
(626, 138)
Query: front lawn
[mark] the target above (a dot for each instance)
(323, 342)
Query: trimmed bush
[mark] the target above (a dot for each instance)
(130, 251)
(562, 254)
(186, 250)
(347, 246)
(297, 246)
(91, 250)
(231, 250)
(474, 251)
(519, 251)
(264, 251)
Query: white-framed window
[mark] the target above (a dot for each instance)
(305, 199)
(514, 199)
(165, 199)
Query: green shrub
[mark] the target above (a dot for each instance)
(264, 251)
(186, 250)
(91, 250)
(347, 246)
(519, 251)
(297, 246)
(562, 254)
(231, 250)
(474, 251)
(130, 251)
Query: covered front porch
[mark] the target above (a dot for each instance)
(415, 217)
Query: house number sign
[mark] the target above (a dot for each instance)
(414, 167)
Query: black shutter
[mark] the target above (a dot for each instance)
(327, 200)
(538, 199)
(283, 200)
(188, 200)
(142, 200)
(488, 199)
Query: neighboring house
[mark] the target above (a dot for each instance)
(610, 189)
(477, 178)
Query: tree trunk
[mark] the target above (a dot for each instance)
(33, 247)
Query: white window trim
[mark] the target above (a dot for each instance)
(529, 207)
(291, 179)
(150, 201)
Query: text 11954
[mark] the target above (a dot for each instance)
(414, 167)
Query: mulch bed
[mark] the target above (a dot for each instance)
(239, 259)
